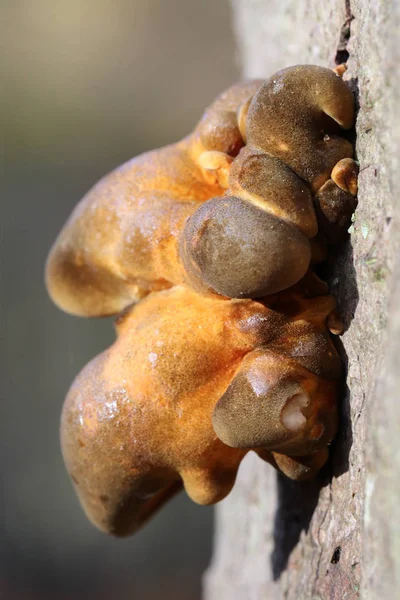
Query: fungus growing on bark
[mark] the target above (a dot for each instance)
(293, 127)
(188, 388)
(223, 345)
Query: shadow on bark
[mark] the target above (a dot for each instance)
(298, 500)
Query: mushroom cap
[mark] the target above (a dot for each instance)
(276, 404)
(298, 115)
(242, 251)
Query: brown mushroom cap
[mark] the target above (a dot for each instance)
(276, 404)
(241, 251)
(334, 208)
(268, 183)
(297, 116)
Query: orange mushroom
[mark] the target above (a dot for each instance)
(223, 345)
(121, 241)
(188, 388)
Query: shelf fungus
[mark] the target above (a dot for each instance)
(205, 250)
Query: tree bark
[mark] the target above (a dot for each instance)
(337, 537)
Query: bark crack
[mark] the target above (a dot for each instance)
(342, 54)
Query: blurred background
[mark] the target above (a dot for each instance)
(86, 85)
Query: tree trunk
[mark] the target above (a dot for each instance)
(339, 536)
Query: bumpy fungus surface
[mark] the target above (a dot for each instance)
(207, 246)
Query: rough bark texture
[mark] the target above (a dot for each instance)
(337, 537)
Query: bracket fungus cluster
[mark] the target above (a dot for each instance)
(205, 250)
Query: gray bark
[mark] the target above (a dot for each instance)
(339, 536)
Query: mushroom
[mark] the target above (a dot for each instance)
(188, 388)
(204, 249)
(167, 217)
(121, 241)
(243, 261)
(254, 240)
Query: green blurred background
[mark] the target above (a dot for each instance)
(86, 85)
